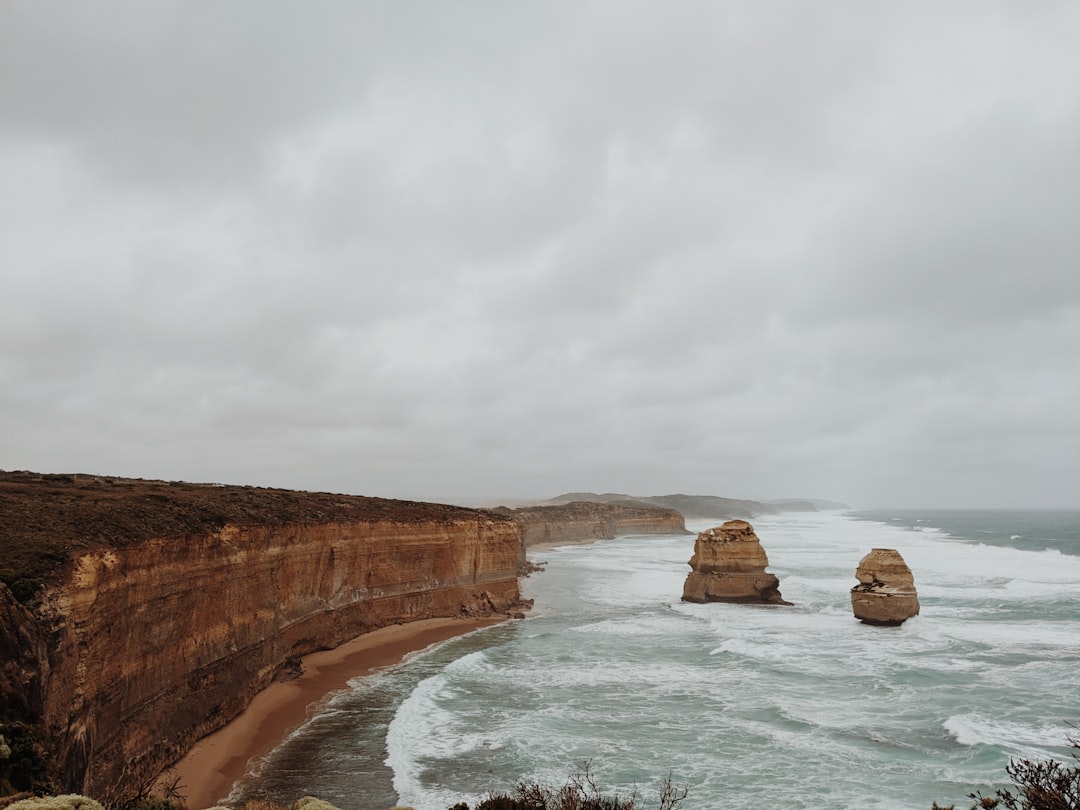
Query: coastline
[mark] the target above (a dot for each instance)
(215, 763)
(540, 548)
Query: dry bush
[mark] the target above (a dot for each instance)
(1036, 785)
(579, 793)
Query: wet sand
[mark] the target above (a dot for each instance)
(210, 769)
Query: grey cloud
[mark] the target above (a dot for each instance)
(442, 251)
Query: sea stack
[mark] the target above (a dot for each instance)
(729, 566)
(886, 593)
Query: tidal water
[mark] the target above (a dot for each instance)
(749, 706)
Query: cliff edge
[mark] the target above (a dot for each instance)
(138, 616)
(582, 521)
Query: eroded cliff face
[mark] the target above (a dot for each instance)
(152, 646)
(579, 521)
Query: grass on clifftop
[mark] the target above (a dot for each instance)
(44, 518)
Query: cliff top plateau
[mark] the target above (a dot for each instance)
(45, 517)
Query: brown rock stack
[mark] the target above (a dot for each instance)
(729, 566)
(886, 591)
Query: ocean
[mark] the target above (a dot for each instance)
(748, 706)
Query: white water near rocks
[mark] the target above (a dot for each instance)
(750, 706)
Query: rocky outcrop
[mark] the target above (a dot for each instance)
(134, 650)
(582, 521)
(729, 566)
(886, 592)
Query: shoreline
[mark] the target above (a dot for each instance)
(548, 545)
(540, 548)
(219, 760)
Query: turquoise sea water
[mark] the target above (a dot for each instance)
(750, 706)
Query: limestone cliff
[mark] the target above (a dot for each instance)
(886, 592)
(580, 521)
(729, 566)
(134, 649)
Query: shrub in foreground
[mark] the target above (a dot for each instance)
(1036, 785)
(71, 801)
(311, 803)
(579, 793)
(25, 759)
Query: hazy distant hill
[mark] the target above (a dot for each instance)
(712, 506)
(696, 507)
(607, 497)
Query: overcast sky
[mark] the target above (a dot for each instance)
(487, 250)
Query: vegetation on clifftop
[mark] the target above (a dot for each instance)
(44, 518)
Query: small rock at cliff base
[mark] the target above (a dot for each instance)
(729, 566)
(886, 592)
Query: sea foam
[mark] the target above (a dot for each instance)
(751, 706)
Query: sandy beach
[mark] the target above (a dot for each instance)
(210, 769)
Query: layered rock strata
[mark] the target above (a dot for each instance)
(133, 651)
(582, 521)
(729, 566)
(886, 592)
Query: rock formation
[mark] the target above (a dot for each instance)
(886, 590)
(582, 521)
(729, 566)
(169, 606)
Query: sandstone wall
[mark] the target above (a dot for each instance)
(152, 646)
